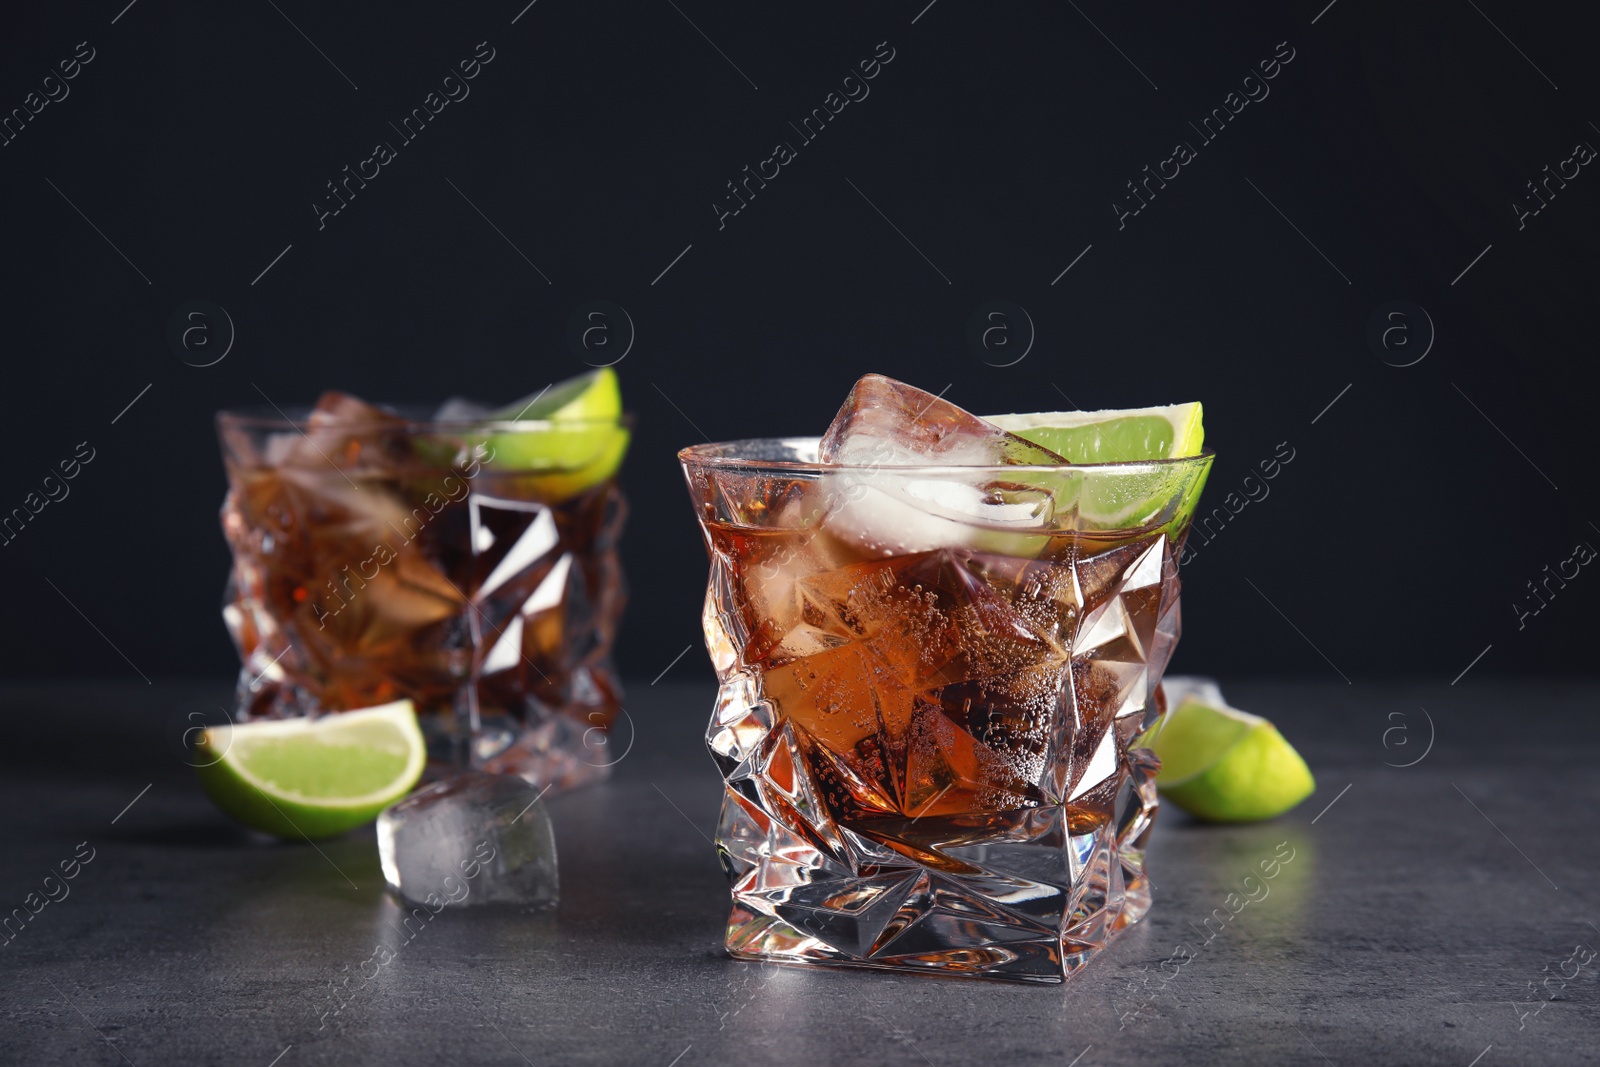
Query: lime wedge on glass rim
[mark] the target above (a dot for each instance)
(1111, 498)
(1115, 436)
(1225, 765)
(579, 443)
(311, 778)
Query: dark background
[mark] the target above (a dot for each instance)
(1416, 508)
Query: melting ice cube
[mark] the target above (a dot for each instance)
(343, 432)
(460, 409)
(471, 839)
(876, 504)
(1181, 688)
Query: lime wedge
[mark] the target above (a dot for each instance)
(587, 396)
(307, 778)
(1114, 436)
(1226, 765)
(1129, 497)
(563, 460)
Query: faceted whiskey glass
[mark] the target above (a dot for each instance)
(377, 558)
(929, 756)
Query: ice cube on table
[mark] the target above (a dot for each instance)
(474, 838)
(884, 425)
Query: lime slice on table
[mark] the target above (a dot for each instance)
(306, 778)
(1225, 765)
(564, 459)
(1112, 499)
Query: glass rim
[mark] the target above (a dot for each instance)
(300, 419)
(707, 455)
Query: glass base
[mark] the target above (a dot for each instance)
(1032, 902)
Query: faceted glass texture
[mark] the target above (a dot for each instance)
(376, 557)
(925, 731)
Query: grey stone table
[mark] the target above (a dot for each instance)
(1439, 913)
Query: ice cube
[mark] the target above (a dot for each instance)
(885, 425)
(460, 409)
(473, 838)
(343, 409)
(1181, 688)
(891, 424)
(342, 431)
